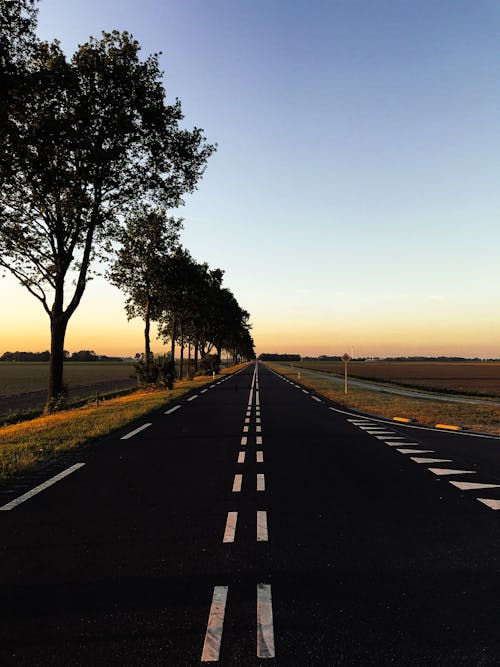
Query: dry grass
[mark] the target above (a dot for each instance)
(24, 445)
(481, 418)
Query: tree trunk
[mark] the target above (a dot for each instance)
(189, 360)
(58, 324)
(147, 342)
(196, 357)
(181, 366)
(172, 348)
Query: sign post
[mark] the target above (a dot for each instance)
(346, 358)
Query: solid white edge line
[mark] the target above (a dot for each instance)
(137, 430)
(213, 635)
(265, 630)
(169, 412)
(41, 487)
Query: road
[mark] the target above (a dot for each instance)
(256, 523)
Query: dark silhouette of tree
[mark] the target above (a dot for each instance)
(149, 239)
(84, 141)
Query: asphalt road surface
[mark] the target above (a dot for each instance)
(256, 523)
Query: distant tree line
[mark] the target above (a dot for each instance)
(91, 159)
(266, 356)
(81, 355)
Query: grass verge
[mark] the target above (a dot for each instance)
(27, 444)
(480, 418)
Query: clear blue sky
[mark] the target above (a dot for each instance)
(354, 197)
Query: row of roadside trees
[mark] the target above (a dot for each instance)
(90, 152)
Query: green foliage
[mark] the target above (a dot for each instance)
(158, 373)
(209, 364)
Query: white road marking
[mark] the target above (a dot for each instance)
(137, 430)
(203, 391)
(258, 440)
(265, 629)
(41, 487)
(213, 636)
(261, 482)
(247, 420)
(471, 486)
(381, 432)
(259, 456)
(258, 429)
(396, 444)
(416, 451)
(237, 483)
(305, 391)
(169, 412)
(244, 440)
(366, 427)
(229, 532)
(419, 459)
(241, 457)
(449, 471)
(245, 429)
(490, 502)
(257, 420)
(262, 534)
(392, 437)
(315, 398)
(192, 398)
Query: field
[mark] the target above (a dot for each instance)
(477, 378)
(473, 417)
(23, 385)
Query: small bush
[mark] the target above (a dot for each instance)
(209, 364)
(160, 374)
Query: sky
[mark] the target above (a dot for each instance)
(354, 197)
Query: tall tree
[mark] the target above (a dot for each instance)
(86, 140)
(139, 270)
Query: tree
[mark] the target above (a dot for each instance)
(17, 33)
(85, 142)
(139, 270)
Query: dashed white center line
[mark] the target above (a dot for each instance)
(261, 482)
(247, 420)
(257, 420)
(135, 431)
(245, 429)
(192, 398)
(392, 437)
(258, 429)
(258, 440)
(229, 532)
(244, 440)
(213, 636)
(169, 412)
(396, 444)
(41, 487)
(265, 629)
(237, 483)
(241, 457)
(262, 533)
(259, 456)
